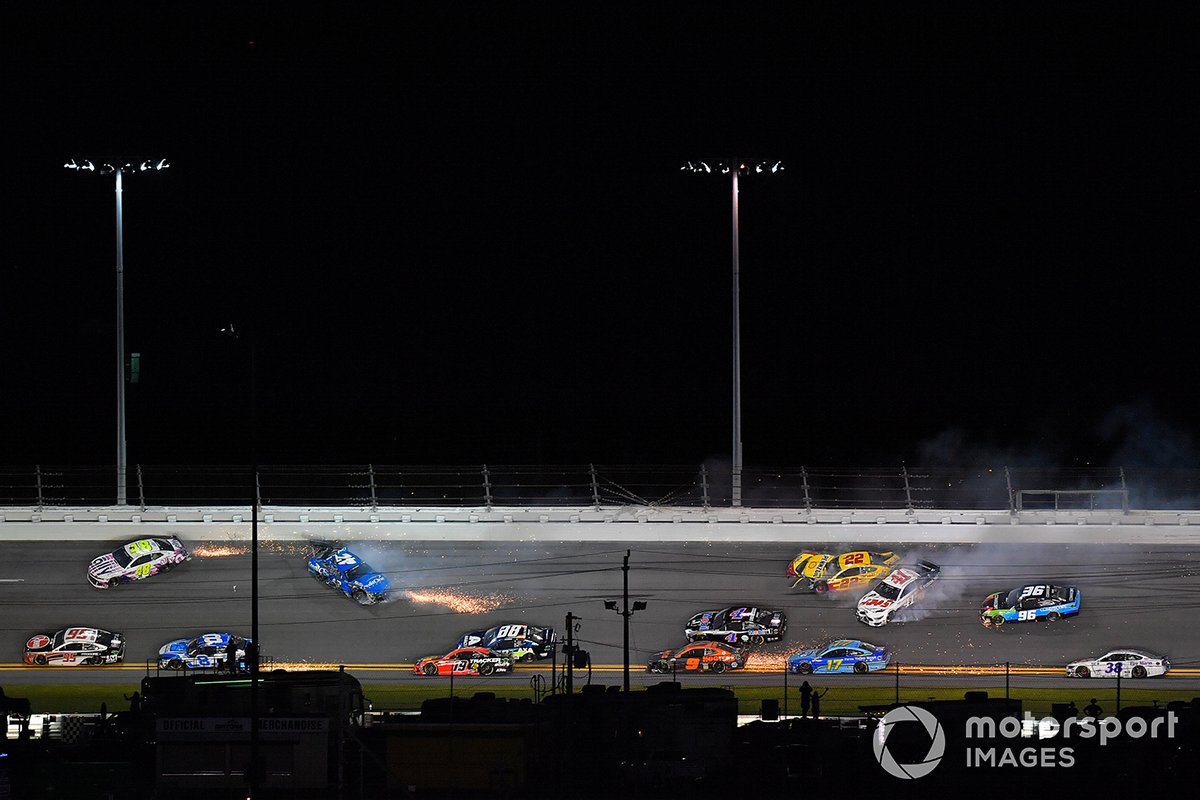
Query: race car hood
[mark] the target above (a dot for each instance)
(470, 639)
(804, 655)
(809, 565)
(992, 602)
(104, 566)
(177, 647)
(873, 604)
(375, 583)
(702, 621)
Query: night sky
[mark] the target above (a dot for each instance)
(462, 236)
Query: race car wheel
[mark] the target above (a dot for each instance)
(758, 639)
(660, 667)
(91, 662)
(486, 669)
(860, 668)
(362, 598)
(718, 667)
(113, 583)
(804, 668)
(429, 669)
(1139, 671)
(1082, 672)
(175, 663)
(997, 621)
(39, 660)
(1053, 616)
(528, 658)
(820, 587)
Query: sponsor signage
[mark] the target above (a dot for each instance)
(188, 727)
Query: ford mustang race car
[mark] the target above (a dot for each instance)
(136, 560)
(209, 650)
(1126, 662)
(1030, 603)
(822, 572)
(338, 567)
(737, 625)
(75, 647)
(698, 657)
(464, 661)
(895, 593)
(520, 641)
(844, 655)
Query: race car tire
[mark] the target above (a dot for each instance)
(861, 668)
(1053, 616)
(1139, 671)
(718, 667)
(997, 621)
(758, 639)
(175, 663)
(93, 661)
(527, 658)
(1082, 672)
(40, 660)
(113, 583)
(362, 598)
(660, 667)
(429, 669)
(820, 587)
(804, 668)
(486, 669)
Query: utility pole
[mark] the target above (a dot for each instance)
(638, 605)
(569, 652)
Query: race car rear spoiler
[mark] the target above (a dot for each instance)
(929, 568)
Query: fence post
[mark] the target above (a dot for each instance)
(487, 488)
(704, 484)
(1006, 665)
(807, 495)
(38, 469)
(785, 672)
(141, 488)
(897, 683)
(908, 503)
(1012, 506)
(1124, 493)
(374, 497)
(595, 486)
(1118, 691)
(257, 490)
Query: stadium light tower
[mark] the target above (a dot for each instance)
(118, 171)
(735, 169)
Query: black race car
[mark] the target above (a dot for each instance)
(741, 625)
(520, 641)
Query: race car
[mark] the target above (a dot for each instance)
(337, 567)
(698, 657)
(519, 641)
(843, 655)
(823, 572)
(1030, 603)
(464, 661)
(1126, 662)
(75, 647)
(136, 560)
(209, 650)
(737, 624)
(895, 593)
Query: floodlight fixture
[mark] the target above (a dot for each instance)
(735, 167)
(611, 605)
(149, 165)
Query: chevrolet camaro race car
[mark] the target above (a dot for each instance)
(519, 641)
(209, 650)
(136, 560)
(698, 657)
(844, 655)
(895, 593)
(737, 625)
(464, 661)
(1125, 662)
(1030, 603)
(823, 572)
(339, 568)
(75, 647)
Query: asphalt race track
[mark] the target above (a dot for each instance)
(1133, 595)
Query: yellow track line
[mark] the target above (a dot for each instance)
(905, 669)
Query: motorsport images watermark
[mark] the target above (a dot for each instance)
(990, 730)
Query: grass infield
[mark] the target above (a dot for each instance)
(840, 700)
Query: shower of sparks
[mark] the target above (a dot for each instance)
(459, 602)
(219, 550)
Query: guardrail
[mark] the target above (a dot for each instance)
(702, 486)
